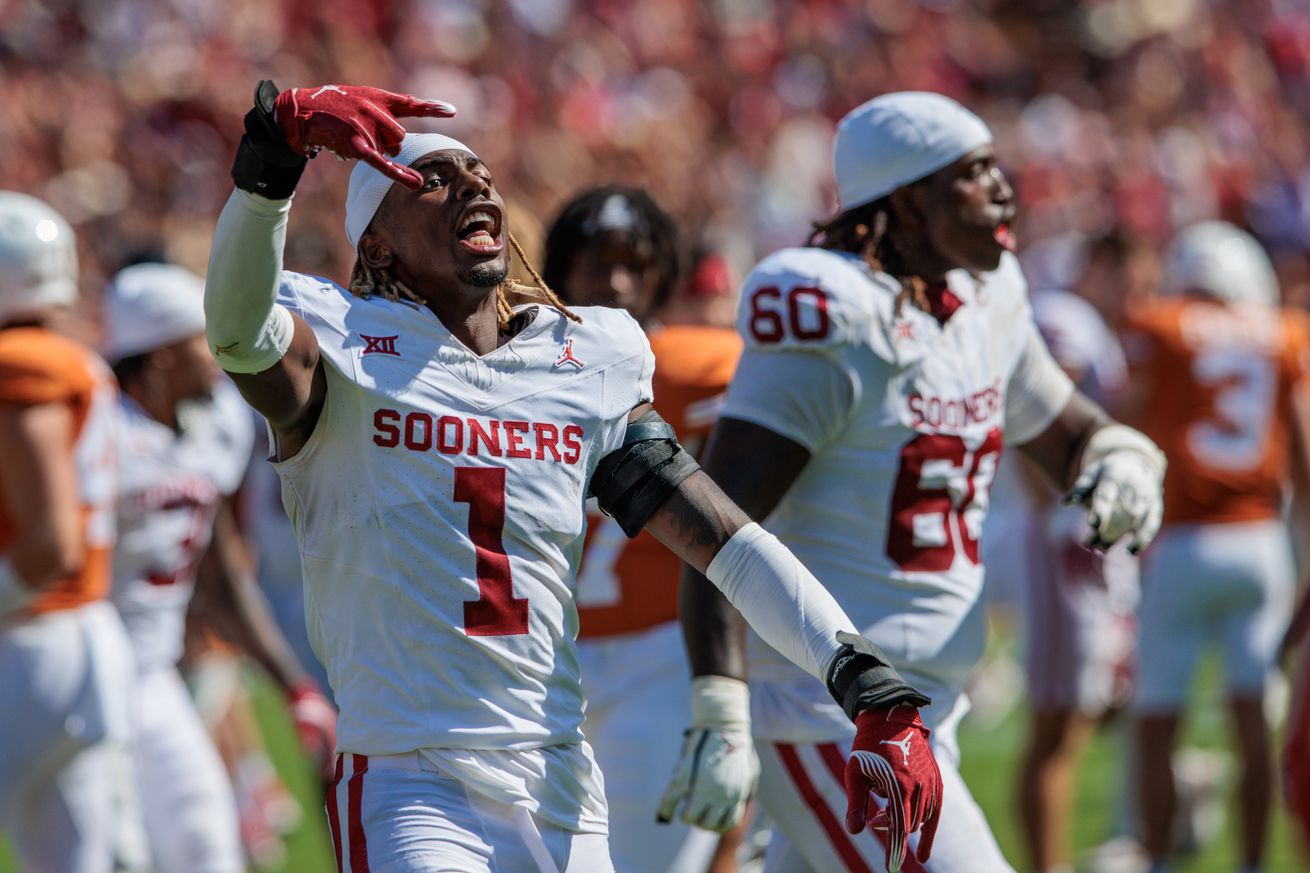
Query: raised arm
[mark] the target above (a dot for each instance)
(271, 353)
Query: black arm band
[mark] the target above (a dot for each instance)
(265, 164)
(860, 678)
(635, 479)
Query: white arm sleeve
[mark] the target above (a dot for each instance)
(247, 330)
(780, 599)
(1037, 393)
(801, 395)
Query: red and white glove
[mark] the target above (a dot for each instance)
(892, 759)
(316, 723)
(354, 122)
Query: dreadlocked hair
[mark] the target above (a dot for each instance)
(366, 281)
(574, 228)
(866, 231)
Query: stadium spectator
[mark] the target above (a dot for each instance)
(1111, 115)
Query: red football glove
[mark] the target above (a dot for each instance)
(353, 121)
(891, 758)
(316, 722)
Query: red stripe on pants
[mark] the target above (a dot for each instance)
(836, 762)
(333, 814)
(358, 842)
(836, 835)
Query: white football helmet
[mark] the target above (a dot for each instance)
(38, 257)
(1221, 261)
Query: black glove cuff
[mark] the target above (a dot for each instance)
(265, 164)
(860, 678)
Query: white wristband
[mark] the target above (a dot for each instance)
(780, 599)
(720, 701)
(14, 595)
(1121, 438)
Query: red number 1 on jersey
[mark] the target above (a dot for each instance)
(496, 612)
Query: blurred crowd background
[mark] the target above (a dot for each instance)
(1113, 117)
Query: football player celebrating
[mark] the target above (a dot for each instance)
(438, 431)
(186, 442)
(65, 664)
(886, 365)
(614, 246)
(1222, 387)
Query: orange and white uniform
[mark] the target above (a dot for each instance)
(1215, 383)
(65, 665)
(634, 665)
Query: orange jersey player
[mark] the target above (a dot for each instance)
(1220, 376)
(614, 246)
(628, 586)
(64, 656)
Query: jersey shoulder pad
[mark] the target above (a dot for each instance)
(38, 366)
(608, 340)
(321, 302)
(811, 298)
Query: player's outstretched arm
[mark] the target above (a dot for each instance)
(1114, 471)
(650, 482)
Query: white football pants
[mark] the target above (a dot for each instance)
(1228, 585)
(186, 797)
(65, 790)
(397, 814)
(638, 689)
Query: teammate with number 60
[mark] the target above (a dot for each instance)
(886, 366)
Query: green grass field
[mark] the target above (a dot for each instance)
(989, 754)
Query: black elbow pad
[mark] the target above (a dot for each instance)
(635, 479)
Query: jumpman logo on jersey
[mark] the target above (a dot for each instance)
(327, 88)
(567, 356)
(903, 745)
(904, 330)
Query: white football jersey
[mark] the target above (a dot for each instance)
(904, 418)
(440, 506)
(172, 483)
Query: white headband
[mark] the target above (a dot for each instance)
(368, 186)
(893, 140)
(149, 306)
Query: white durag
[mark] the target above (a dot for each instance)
(368, 186)
(899, 138)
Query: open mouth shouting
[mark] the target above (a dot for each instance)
(478, 229)
(1002, 233)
